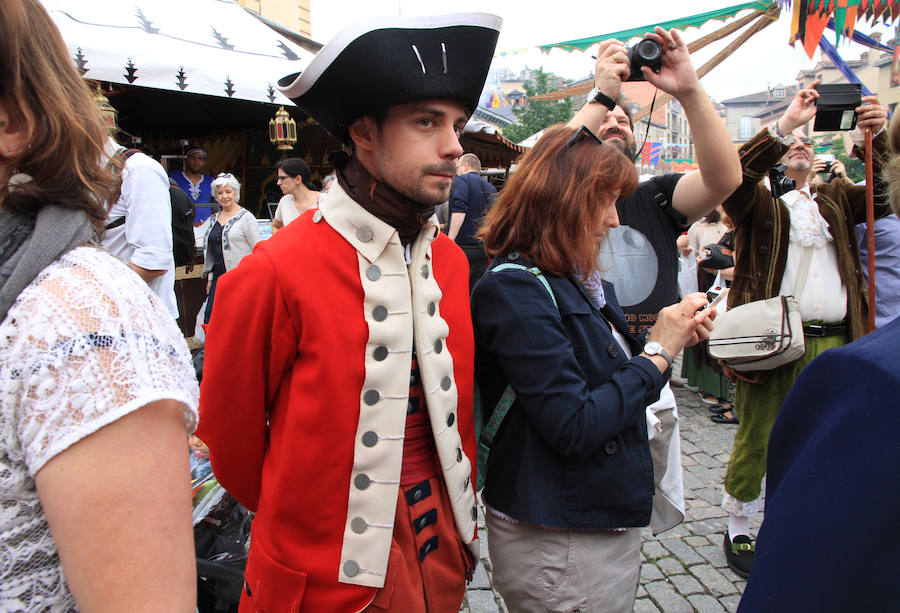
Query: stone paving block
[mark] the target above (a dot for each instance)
(644, 605)
(641, 592)
(706, 512)
(653, 550)
(712, 495)
(714, 555)
(649, 572)
(730, 602)
(704, 603)
(682, 551)
(667, 599)
(480, 579)
(714, 581)
(709, 526)
(696, 541)
(685, 585)
(482, 601)
(688, 461)
(688, 448)
(680, 531)
(670, 566)
(707, 460)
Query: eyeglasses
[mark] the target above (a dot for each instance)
(582, 133)
(281, 178)
(224, 175)
(790, 139)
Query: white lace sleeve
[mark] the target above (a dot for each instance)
(86, 343)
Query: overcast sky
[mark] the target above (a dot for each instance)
(765, 60)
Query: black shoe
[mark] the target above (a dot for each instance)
(739, 554)
(724, 419)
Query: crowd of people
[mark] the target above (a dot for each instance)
(364, 369)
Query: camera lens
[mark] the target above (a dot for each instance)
(647, 51)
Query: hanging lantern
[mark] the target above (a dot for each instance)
(107, 110)
(283, 130)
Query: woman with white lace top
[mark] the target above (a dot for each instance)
(97, 391)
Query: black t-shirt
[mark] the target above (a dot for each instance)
(640, 257)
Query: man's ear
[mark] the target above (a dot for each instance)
(364, 133)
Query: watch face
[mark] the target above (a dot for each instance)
(652, 348)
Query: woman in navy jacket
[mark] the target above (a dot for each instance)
(569, 480)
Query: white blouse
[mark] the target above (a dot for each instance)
(85, 343)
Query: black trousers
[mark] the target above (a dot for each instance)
(478, 262)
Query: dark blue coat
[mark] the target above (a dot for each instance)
(573, 450)
(832, 499)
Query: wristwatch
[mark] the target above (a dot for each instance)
(595, 95)
(654, 348)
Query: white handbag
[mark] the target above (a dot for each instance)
(763, 334)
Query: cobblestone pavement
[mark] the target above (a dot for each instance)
(683, 569)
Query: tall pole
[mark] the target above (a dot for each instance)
(870, 227)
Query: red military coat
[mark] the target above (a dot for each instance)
(308, 353)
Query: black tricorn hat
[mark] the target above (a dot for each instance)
(378, 63)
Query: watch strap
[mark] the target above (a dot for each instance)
(596, 95)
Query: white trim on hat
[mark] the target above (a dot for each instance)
(342, 39)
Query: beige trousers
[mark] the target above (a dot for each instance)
(538, 570)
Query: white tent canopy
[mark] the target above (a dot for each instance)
(211, 47)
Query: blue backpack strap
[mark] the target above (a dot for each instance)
(485, 438)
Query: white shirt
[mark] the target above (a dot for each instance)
(145, 239)
(85, 344)
(286, 212)
(824, 296)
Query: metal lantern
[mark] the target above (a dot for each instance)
(283, 130)
(107, 110)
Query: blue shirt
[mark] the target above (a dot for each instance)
(472, 195)
(200, 193)
(887, 266)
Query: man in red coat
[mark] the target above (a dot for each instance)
(337, 388)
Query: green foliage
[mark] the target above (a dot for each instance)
(537, 115)
(856, 169)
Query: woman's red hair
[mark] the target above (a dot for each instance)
(548, 209)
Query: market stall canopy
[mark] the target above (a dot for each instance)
(211, 47)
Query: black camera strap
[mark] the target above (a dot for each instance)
(638, 151)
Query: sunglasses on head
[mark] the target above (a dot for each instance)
(580, 134)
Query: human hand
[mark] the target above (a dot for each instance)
(677, 75)
(612, 67)
(208, 284)
(683, 324)
(801, 109)
(871, 114)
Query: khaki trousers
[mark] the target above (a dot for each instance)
(538, 570)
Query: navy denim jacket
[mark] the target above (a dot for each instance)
(572, 452)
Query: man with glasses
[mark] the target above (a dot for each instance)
(338, 383)
(640, 257)
(808, 232)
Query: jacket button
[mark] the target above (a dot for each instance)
(458, 454)
(425, 271)
(365, 234)
(446, 383)
(370, 439)
(451, 419)
(513, 255)
(373, 273)
(317, 217)
(763, 249)
(351, 568)
(361, 482)
(379, 313)
(768, 224)
(371, 397)
(474, 513)
(611, 447)
(380, 353)
(359, 525)
(612, 350)
(431, 309)
(438, 346)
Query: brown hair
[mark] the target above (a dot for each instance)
(548, 209)
(40, 86)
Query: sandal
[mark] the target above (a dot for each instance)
(724, 418)
(708, 398)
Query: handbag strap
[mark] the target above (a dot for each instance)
(803, 272)
(509, 395)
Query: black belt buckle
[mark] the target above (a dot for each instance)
(823, 330)
(817, 330)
